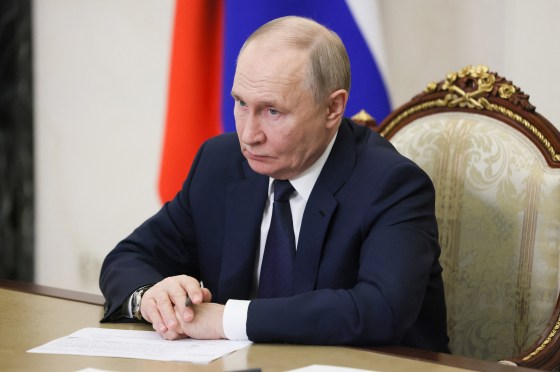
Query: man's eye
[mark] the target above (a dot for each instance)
(272, 111)
(242, 103)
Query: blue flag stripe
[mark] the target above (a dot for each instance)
(242, 17)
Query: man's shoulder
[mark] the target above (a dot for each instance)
(225, 140)
(220, 155)
(221, 145)
(375, 153)
(371, 146)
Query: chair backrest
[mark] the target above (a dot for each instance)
(495, 164)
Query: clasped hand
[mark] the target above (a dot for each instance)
(163, 305)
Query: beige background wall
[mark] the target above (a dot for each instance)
(100, 86)
(520, 39)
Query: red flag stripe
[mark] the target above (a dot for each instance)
(193, 107)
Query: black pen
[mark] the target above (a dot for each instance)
(188, 301)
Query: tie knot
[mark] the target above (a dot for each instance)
(282, 190)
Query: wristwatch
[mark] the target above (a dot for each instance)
(136, 301)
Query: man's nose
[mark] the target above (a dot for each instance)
(252, 131)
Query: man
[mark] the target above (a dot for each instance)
(364, 265)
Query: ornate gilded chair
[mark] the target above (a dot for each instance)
(495, 164)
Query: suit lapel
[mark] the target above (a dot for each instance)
(321, 207)
(245, 202)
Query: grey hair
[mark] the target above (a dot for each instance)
(329, 65)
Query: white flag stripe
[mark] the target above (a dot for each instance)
(367, 14)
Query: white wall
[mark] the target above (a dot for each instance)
(517, 38)
(100, 88)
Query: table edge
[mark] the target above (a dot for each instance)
(43, 290)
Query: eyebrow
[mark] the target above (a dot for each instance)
(265, 103)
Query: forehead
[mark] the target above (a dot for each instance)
(264, 67)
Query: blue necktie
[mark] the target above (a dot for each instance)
(280, 248)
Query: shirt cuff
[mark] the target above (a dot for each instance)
(235, 320)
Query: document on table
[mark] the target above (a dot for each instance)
(139, 345)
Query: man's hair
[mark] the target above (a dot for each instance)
(329, 65)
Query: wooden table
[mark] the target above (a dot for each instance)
(31, 315)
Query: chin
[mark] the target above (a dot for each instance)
(260, 168)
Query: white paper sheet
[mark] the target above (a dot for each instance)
(138, 345)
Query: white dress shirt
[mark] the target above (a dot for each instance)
(235, 312)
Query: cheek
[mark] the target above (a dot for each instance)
(288, 145)
(236, 113)
(306, 145)
(239, 122)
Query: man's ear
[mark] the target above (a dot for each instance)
(336, 105)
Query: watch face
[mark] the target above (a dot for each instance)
(136, 299)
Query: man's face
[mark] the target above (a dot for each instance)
(281, 129)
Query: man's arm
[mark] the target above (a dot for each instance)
(163, 246)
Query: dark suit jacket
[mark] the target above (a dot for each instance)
(366, 271)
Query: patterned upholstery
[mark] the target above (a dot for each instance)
(495, 166)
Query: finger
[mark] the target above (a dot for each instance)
(181, 321)
(188, 314)
(190, 293)
(188, 311)
(172, 335)
(178, 293)
(170, 296)
(193, 290)
(166, 311)
(207, 295)
(184, 323)
(151, 314)
(153, 305)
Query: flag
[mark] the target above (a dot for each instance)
(194, 93)
(195, 114)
